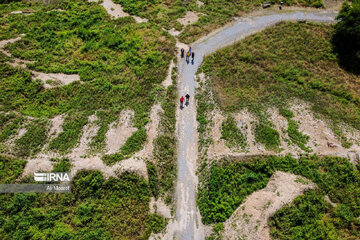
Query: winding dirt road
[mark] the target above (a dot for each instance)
(187, 223)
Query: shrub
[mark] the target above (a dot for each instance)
(267, 136)
(232, 134)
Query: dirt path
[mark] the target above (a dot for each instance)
(187, 223)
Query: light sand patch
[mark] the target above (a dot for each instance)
(321, 136)
(199, 3)
(158, 206)
(114, 10)
(63, 79)
(168, 81)
(139, 19)
(133, 164)
(250, 220)
(152, 132)
(189, 18)
(41, 163)
(173, 32)
(119, 132)
(12, 40)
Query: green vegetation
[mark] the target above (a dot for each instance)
(72, 128)
(165, 144)
(10, 124)
(63, 165)
(204, 107)
(229, 182)
(268, 136)
(34, 138)
(133, 144)
(232, 134)
(10, 169)
(347, 36)
(293, 130)
(119, 62)
(96, 209)
(267, 69)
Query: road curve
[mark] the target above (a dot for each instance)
(187, 224)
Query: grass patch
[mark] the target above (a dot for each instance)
(268, 136)
(268, 70)
(96, 209)
(10, 169)
(232, 134)
(229, 182)
(34, 138)
(72, 129)
(63, 165)
(119, 63)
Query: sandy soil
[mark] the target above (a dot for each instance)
(189, 18)
(173, 32)
(158, 206)
(119, 132)
(250, 220)
(199, 3)
(116, 10)
(317, 128)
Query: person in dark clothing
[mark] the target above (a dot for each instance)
(182, 53)
(187, 97)
(192, 56)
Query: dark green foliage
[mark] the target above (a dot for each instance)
(34, 138)
(309, 217)
(165, 144)
(10, 169)
(63, 165)
(346, 39)
(72, 129)
(10, 125)
(153, 179)
(111, 159)
(117, 208)
(304, 219)
(286, 113)
(155, 223)
(267, 136)
(297, 137)
(227, 187)
(134, 143)
(232, 134)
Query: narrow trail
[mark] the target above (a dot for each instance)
(187, 223)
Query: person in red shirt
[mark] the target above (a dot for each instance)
(181, 101)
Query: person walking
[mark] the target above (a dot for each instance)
(187, 96)
(192, 56)
(188, 57)
(190, 50)
(182, 52)
(181, 101)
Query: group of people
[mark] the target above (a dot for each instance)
(187, 96)
(188, 54)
